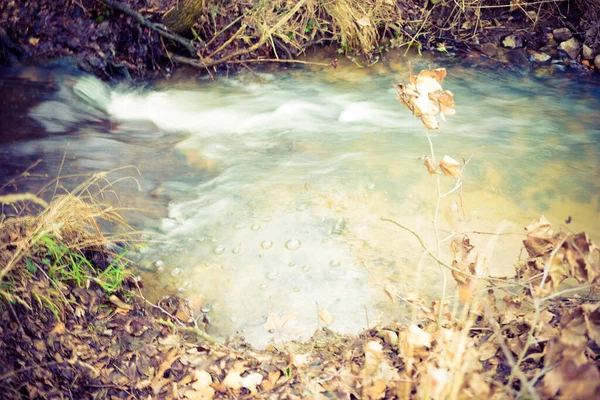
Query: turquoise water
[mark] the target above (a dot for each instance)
(267, 190)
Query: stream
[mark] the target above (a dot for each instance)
(263, 192)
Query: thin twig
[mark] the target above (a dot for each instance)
(155, 27)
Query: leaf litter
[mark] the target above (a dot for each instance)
(533, 340)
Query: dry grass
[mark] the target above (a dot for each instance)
(62, 242)
(242, 30)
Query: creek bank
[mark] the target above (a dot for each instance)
(127, 39)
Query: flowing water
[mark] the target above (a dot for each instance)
(267, 190)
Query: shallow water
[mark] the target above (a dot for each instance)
(268, 194)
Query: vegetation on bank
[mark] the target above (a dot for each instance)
(142, 37)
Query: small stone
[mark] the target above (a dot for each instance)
(539, 57)
(571, 47)
(550, 42)
(597, 63)
(587, 53)
(562, 34)
(512, 42)
(518, 58)
(489, 49)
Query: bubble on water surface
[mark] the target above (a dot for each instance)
(296, 289)
(371, 186)
(268, 219)
(305, 268)
(335, 263)
(293, 244)
(255, 227)
(272, 275)
(219, 250)
(292, 264)
(235, 250)
(266, 244)
(176, 271)
(239, 226)
(263, 286)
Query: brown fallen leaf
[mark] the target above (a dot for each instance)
(377, 390)
(325, 316)
(119, 303)
(373, 356)
(251, 381)
(201, 387)
(233, 380)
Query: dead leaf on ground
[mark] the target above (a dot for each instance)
(325, 316)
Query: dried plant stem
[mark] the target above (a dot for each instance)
(528, 343)
(508, 354)
(436, 231)
(431, 254)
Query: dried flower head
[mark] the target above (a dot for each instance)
(425, 97)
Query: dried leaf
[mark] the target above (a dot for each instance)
(373, 355)
(450, 167)
(58, 329)
(447, 106)
(171, 341)
(364, 21)
(425, 97)
(299, 360)
(391, 292)
(119, 303)
(430, 122)
(465, 292)
(201, 386)
(429, 165)
(251, 381)
(390, 337)
(487, 351)
(414, 342)
(377, 390)
(34, 41)
(233, 380)
(325, 316)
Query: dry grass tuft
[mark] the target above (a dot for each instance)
(63, 242)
